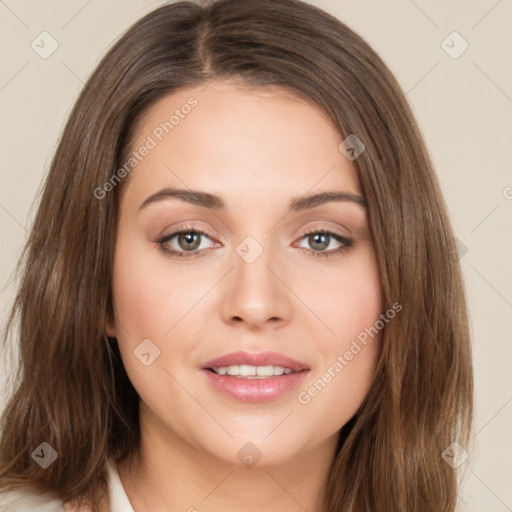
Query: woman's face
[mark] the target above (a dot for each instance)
(251, 279)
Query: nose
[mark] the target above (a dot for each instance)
(256, 292)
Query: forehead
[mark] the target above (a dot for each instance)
(236, 142)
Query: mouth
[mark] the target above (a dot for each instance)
(254, 377)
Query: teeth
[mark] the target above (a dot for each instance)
(245, 371)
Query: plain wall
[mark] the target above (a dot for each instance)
(464, 109)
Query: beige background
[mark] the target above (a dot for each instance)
(464, 109)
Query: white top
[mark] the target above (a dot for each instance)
(118, 499)
(19, 501)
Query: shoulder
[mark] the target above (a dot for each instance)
(21, 501)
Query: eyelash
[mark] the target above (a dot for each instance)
(347, 243)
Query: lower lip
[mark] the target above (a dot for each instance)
(255, 390)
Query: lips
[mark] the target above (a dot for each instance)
(287, 374)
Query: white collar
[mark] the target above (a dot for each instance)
(119, 501)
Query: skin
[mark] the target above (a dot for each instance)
(257, 149)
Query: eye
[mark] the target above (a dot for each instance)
(188, 241)
(320, 239)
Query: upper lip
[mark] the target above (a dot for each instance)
(256, 359)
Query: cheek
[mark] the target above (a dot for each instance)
(360, 311)
(352, 309)
(136, 301)
(349, 299)
(141, 313)
(147, 302)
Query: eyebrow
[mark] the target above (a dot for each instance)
(214, 202)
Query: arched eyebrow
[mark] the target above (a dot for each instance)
(311, 201)
(214, 202)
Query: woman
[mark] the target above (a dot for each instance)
(240, 289)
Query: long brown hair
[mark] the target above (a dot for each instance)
(71, 389)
